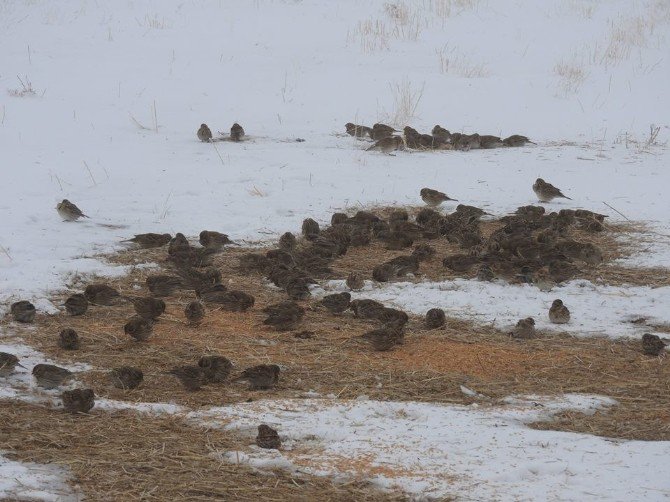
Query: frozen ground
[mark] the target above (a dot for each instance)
(111, 96)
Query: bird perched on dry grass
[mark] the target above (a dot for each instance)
(194, 312)
(524, 329)
(384, 338)
(366, 309)
(355, 281)
(50, 376)
(283, 316)
(435, 318)
(358, 131)
(126, 377)
(387, 145)
(78, 400)
(459, 262)
(652, 345)
(336, 303)
(214, 240)
(150, 240)
(287, 242)
(236, 132)
(139, 328)
(516, 140)
(261, 377)
(68, 339)
(164, 285)
(485, 273)
(7, 363)
(76, 305)
(236, 301)
(148, 307)
(268, 438)
(216, 368)
(559, 313)
(68, 211)
(191, 377)
(101, 294)
(310, 229)
(433, 197)
(546, 192)
(204, 133)
(23, 311)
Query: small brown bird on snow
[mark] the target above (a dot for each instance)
(546, 192)
(204, 133)
(387, 145)
(358, 131)
(150, 240)
(7, 363)
(236, 132)
(336, 303)
(49, 376)
(559, 313)
(268, 438)
(355, 282)
(433, 197)
(68, 211)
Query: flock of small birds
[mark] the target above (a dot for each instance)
(386, 139)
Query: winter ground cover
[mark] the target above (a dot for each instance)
(99, 104)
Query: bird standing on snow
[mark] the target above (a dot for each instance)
(68, 211)
(559, 313)
(546, 192)
(7, 363)
(516, 140)
(236, 132)
(387, 145)
(204, 133)
(49, 376)
(150, 240)
(355, 282)
(358, 131)
(268, 438)
(433, 197)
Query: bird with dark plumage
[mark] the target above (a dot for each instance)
(268, 438)
(164, 285)
(261, 377)
(148, 307)
(433, 197)
(139, 328)
(435, 318)
(355, 281)
(69, 211)
(524, 329)
(387, 145)
(383, 272)
(487, 141)
(287, 242)
(101, 294)
(358, 131)
(485, 273)
(310, 229)
(69, 339)
(191, 377)
(516, 140)
(7, 363)
(384, 338)
(126, 377)
(78, 400)
(380, 131)
(336, 303)
(216, 368)
(236, 132)
(392, 317)
(236, 301)
(50, 376)
(423, 252)
(179, 243)
(459, 262)
(204, 133)
(150, 240)
(546, 192)
(76, 305)
(366, 309)
(214, 240)
(23, 311)
(212, 293)
(283, 316)
(652, 345)
(559, 313)
(194, 312)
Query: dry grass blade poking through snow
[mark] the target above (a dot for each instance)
(405, 103)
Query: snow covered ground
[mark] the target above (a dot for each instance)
(110, 97)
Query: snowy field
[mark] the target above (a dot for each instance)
(100, 102)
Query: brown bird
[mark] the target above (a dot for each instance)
(78, 400)
(214, 240)
(69, 339)
(49, 376)
(23, 311)
(485, 274)
(487, 141)
(164, 285)
(355, 281)
(387, 145)
(404, 265)
(212, 293)
(380, 131)
(516, 140)
(366, 309)
(336, 303)
(385, 338)
(139, 328)
(524, 329)
(76, 305)
(652, 345)
(178, 244)
(236, 301)
(287, 241)
(7, 363)
(261, 377)
(434, 198)
(398, 240)
(586, 214)
(546, 192)
(435, 318)
(68, 211)
(148, 307)
(236, 132)
(196, 279)
(216, 368)
(191, 377)
(561, 271)
(392, 317)
(358, 131)
(101, 294)
(194, 312)
(441, 133)
(559, 313)
(310, 229)
(298, 289)
(423, 252)
(204, 133)
(126, 377)
(268, 438)
(283, 316)
(150, 240)
(459, 262)
(383, 272)
(532, 211)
